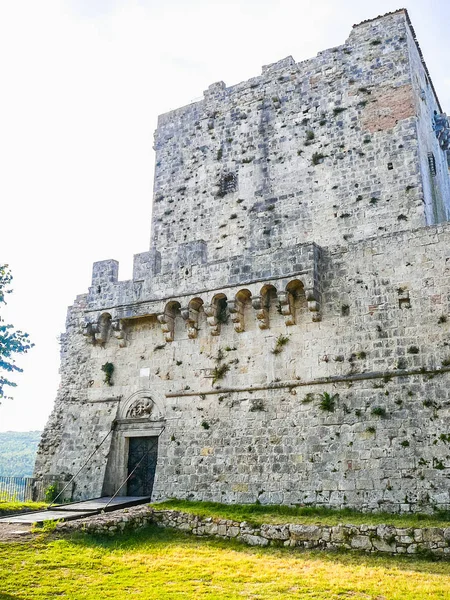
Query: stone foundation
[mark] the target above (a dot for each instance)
(368, 538)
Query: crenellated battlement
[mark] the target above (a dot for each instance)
(285, 295)
(191, 274)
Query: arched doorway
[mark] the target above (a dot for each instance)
(141, 465)
(133, 461)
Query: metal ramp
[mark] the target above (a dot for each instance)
(86, 508)
(77, 510)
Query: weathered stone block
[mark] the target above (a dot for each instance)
(275, 532)
(361, 542)
(305, 532)
(253, 540)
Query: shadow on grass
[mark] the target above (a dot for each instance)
(156, 538)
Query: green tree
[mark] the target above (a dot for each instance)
(12, 341)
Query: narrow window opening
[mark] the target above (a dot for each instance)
(345, 310)
(228, 184)
(432, 163)
(404, 303)
(222, 314)
(441, 129)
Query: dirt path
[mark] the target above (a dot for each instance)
(14, 532)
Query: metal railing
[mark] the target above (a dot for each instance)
(21, 489)
(51, 488)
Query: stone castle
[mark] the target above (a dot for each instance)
(286, 339)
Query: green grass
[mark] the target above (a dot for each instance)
(258, 514)
(158, 564)
(9, 507)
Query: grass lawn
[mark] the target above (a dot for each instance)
(160, 564)
(12, 507)
(308, 515)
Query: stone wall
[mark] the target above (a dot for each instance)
(322, 150)
(258, 432)
(368, 538)
(435, 185)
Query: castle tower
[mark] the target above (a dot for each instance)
(285, 338)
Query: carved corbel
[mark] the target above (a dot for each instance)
(120, 332)
(261, 307)
(312, 298)
(190, 316)
(287, 307)
(97, 333)
(211, 311)
(167, 322)
(236, 309)
(89, 330)
(102, 330)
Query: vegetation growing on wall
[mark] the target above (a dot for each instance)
(108, 370)
(328, 402)
(280, 343)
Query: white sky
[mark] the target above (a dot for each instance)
(82, 83)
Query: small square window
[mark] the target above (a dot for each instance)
(228, 184)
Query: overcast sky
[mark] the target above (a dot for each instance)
(82, 83)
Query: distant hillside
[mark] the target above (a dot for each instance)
(18, 452)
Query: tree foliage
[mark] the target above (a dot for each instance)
(12, 341)
(18, 453)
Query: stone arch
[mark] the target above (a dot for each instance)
(196, 303)
(313, 295)
(103, 328)
(140, 415)
(191, 316)
(269, 290)
(217, 312)
(141, 405)
(236, 309)
(244, 295)
(221, 303)
(290, 301)
(265, 304)
(295, 287)
(173, 307)
(167, 319)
